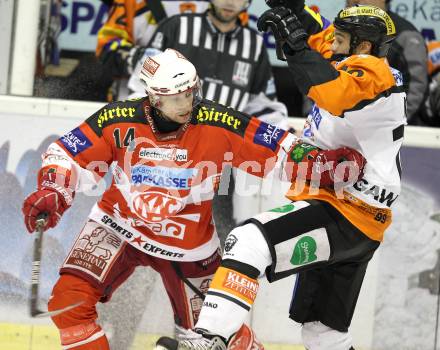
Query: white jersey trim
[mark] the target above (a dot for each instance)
(85, 341)
(150, 246)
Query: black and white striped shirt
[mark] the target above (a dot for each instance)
(234, 67)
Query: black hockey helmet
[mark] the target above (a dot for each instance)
(367, 23)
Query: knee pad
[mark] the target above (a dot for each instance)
(70, 290)
(247, 244)
(317, 336)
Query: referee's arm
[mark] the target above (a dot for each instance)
(166, 34)
(263, 80)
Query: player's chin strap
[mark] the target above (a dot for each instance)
(185, 280)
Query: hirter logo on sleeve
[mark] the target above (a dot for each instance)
(75, 141)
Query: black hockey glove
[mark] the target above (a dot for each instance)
(121, 56)
(287, 29)
(295, 5)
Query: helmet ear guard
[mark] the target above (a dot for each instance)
(367, 23)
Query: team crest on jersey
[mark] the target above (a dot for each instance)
(241, 73)
(156, 206)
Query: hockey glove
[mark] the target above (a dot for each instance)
(120, 57)
(287, 29)
(330, 167)
(295, 5)
(53, 198)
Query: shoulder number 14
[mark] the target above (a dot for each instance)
(126, 141)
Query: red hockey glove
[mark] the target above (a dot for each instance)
(51, 198)
(328, 166)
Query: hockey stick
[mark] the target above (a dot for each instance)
(35, 279)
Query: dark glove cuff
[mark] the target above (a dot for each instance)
(290, 49)
(295, 5)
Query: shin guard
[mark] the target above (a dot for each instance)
(227, 302)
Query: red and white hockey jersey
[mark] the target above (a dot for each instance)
(160, 196)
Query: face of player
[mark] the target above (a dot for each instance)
(177, 108)
(341, 44)
(227, 11)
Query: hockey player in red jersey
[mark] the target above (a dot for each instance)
(325, 240)
(167, 151)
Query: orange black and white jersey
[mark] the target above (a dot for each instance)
(135, 20)
(160, 197)
(358, 103)
(433, 57)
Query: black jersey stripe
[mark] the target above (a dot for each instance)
(227, 297)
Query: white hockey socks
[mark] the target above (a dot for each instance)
(235, 286)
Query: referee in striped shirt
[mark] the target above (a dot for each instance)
(230, 58)
(234, 67)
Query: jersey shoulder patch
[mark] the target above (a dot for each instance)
(129, 111)
(215, 114)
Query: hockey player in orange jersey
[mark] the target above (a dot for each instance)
(325, 240)
(167, 151)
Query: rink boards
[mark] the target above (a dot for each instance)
(395, 297)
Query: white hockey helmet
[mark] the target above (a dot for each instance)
(169, 73)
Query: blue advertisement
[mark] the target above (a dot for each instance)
(81, 20)
(178, 178)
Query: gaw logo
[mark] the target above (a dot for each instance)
(284, 209)
(304, 251)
